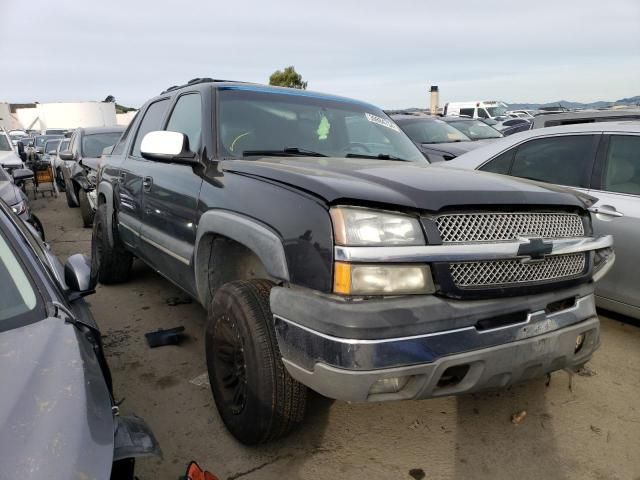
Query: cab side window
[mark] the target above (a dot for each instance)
(500, 164)
(468, 112)
(482, 113)
(186, 118)
(622, 171)
(559, 160)
(151, 122)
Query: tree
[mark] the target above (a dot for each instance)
(287, 78)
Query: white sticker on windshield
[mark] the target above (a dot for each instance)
(382, 121)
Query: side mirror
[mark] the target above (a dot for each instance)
(22, 174)
(170, 147)
(78, 275)
(66, 155)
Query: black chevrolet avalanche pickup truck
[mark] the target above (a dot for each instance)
(328, 257)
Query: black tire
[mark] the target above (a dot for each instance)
(60, 180)
(69, 191)
(110, 264)
(256, 397)
(85, 209)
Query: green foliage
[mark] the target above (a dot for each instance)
(287, 78)
(123, 109)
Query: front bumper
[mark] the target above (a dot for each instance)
(534, 335)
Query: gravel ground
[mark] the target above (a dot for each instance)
(579, 427)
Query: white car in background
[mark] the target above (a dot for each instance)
(9, 158)
(601, 159)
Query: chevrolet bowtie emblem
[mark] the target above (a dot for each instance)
(534, 248)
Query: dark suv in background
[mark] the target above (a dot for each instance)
(329, 255)
(80, 166)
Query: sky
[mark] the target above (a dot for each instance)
(384, 52)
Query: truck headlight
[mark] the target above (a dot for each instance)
(361, 279)
(19, 208)
(364, 227)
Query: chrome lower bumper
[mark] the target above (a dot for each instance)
(305, 347)
(353, 369)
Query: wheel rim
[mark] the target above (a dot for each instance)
(230, 366)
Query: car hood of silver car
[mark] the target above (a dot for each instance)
(56, 419)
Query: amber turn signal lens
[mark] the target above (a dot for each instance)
(342, 278)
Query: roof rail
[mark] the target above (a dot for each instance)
(195, 81)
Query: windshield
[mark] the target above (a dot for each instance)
(94, 143)
(18, 297)
(51, 145)
(476, 130)
(5, 145)
(40, 141)
(498, 111)
(432, 131)
(254, 121)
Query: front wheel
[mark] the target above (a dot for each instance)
(69, 191)
(111, 264)
(256, 397)
(85, 209)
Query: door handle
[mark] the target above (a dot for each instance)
(146, 184)
(606, 210)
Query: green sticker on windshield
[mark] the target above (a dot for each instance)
(323, 128)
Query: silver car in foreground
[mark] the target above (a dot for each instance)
(601, 159)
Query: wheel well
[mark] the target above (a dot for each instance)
(223, 260)
(101, 199)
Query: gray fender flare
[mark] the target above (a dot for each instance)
(257, 237)
(106, 189)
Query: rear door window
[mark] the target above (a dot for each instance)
(151, 122)
(119, 148)
(565, 160)
(622, 171)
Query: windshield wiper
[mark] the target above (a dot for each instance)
(379, 156)
(286, 152)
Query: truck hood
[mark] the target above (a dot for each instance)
(453, 149)
(412, 185)
(9, 158)
(91, 162)
(8, 193)
(55, 408)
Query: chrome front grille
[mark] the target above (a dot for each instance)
(510, 272)
(492, 227)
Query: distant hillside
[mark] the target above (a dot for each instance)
(123, 109)
(631, 101)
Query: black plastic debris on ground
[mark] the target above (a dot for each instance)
(170, 336)
(173, 301)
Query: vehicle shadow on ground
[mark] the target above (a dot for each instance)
(511, 449)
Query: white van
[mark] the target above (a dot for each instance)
(479, 109)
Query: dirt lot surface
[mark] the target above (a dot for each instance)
(584, 427)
